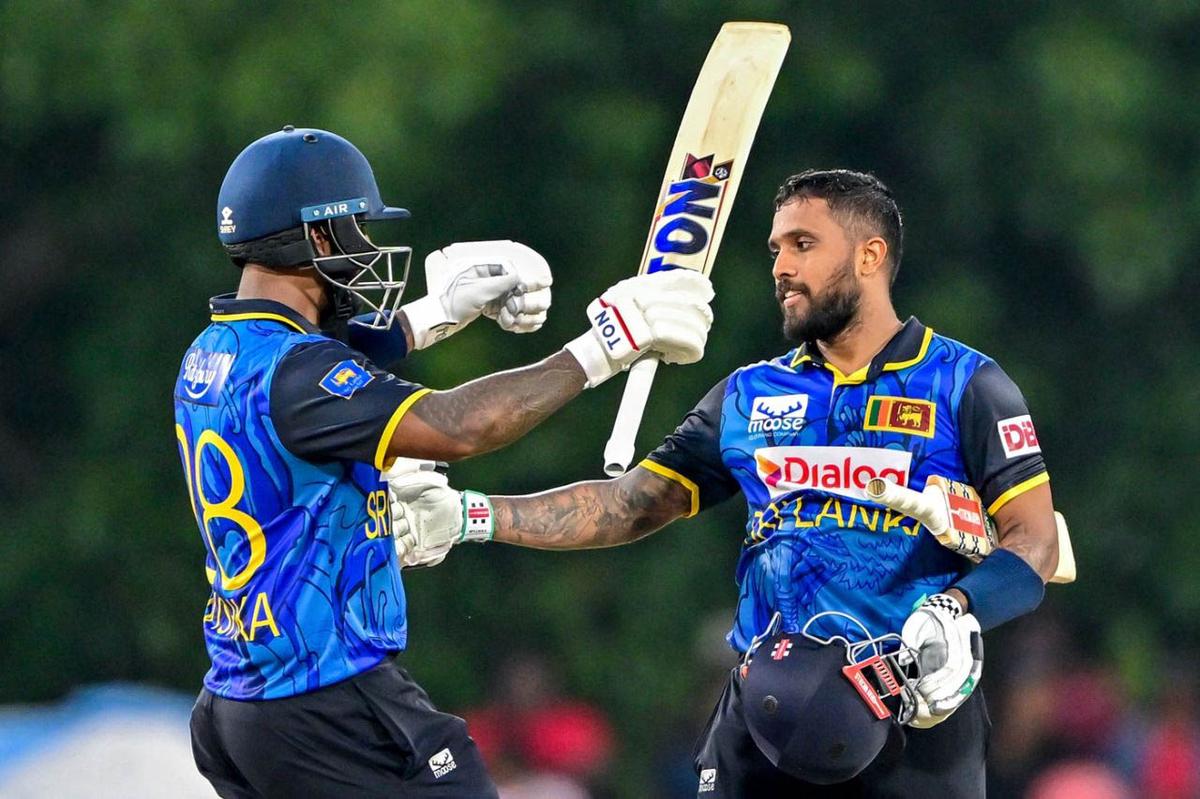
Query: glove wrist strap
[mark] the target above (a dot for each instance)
(946, 603)
(479, 518)
(591, 356)
(428, 320)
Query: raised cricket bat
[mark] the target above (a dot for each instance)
(702, 177)
(953, 513)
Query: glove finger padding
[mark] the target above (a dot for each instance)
(530, 301)
(416, 557)
(678, 342)
(472, 292)
(665, 313)
(960, 683)
(427, 512)
(949, 650)
(467, 279)
(521, 323)
(525, 312)
(408, 486)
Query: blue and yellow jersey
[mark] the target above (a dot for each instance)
(283, 432)
(800, 440)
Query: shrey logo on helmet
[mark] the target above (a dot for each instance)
(844, 471)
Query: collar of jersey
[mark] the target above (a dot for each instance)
(906, 348)
(228, 308)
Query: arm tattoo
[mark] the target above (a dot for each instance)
(597, 513)
(496, 410)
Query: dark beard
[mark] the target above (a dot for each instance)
(829, 313)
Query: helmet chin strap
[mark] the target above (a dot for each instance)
(336, 316)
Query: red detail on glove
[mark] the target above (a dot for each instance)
(617, 313)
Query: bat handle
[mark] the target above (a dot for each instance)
(618, 452)
(903, 500)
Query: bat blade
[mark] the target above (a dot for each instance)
(703, 174)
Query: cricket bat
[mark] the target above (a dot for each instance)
(702, 177)
(953, 513)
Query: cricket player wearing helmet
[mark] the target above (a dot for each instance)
(861, 634)
(285, 418)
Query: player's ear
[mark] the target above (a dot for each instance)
(321, 242)
(872, 257)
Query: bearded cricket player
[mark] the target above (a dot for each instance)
(285, 415)
(860, 634)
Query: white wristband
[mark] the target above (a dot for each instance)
(479, 520)
(592, 357)
(428, 321)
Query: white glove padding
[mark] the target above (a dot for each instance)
(429, 517)
(662, 313)
(949, 649)
(522, 310)
(503, 279)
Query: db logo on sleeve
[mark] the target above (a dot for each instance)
(1018, 436)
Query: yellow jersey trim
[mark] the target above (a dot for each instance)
(241, 317)
(676, 477)
(920, 356)
(1017, 490)
(860, 375)
(390, 429)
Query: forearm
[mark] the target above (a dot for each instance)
(488, 413)
(1030, 540)
(1027, 528)
(1036, 547)
(1011, 581)
(593, 514)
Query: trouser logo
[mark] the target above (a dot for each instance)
(442, 763)
(708, 780)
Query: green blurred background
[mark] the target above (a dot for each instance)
(1045, 157)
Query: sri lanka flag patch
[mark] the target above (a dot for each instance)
(346, 378)
(901, 415)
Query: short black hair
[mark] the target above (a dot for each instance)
(857, 200)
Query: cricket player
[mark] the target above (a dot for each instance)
(852, 620)
(285, 416)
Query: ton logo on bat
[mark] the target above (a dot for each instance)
(684, 224)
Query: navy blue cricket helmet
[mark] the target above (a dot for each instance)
(286, 182)
(822, 710)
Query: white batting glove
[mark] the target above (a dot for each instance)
(949, 649)
(522, 310)
(503, 279)
(429, 517)
(663, 313)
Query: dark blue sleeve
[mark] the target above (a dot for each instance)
(997, 440)
(330, 402)
(691, 456)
